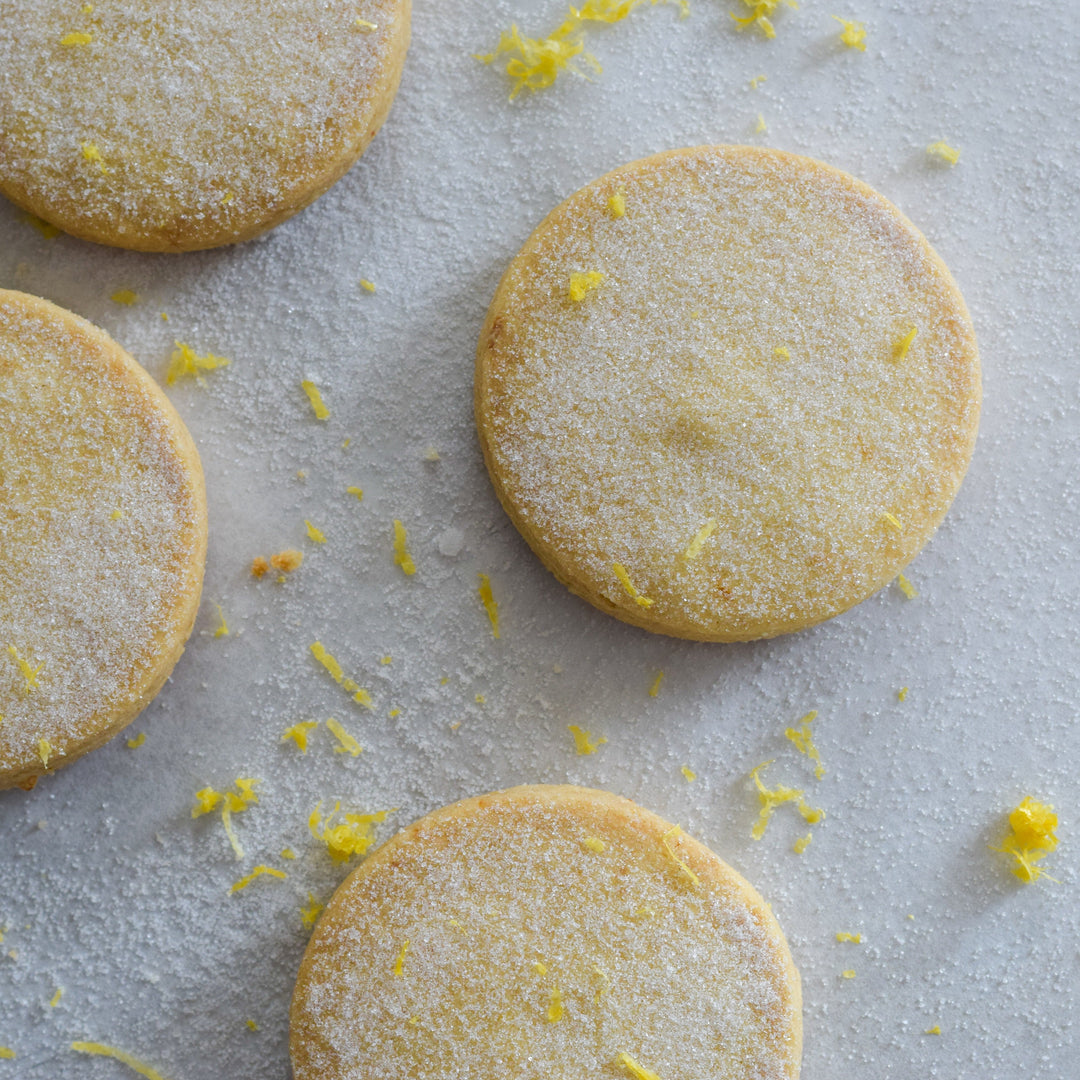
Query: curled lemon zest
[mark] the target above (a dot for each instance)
(348, 744)
(259, 871)
(353, 836)
(638, 1072)
(185, 363)
(207, 800)
(935, 1030)
(900, 349)
(222, 629)
(902, 693)
(314, 533)
(583, 743)
(804, 741)
(843, 935)
(358, 492)
(91, 153)
(367, 286)
(849, 974)
(76, 38)
(668, 840)
(802, 843)
(892, 520)
(624, 579)
(772, 798)
(760, 10)
(101, 1050)
(45, 751)
(309, 914)
(134, 744)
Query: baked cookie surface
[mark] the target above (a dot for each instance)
(173, 127)
(726, 392)
(103, 520)
(539, 932)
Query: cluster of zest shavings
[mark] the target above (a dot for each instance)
(298, 733)
(624, 580)
(638, 1072)
(668, 840)
(207, 800)
(402, 557)
(347, 744)
(259, 871)
(853, 34)
(185, 363)
(693, 549)
(102, 1050)
(654, 690)
(760, 10)
(906, 587)
(26, 669)
(315, 397)
(942, 151)
(309, 914)
(583, 741)
(771, 798)
(491, 605)
(353, 835)
(535, 63)
(582, 284)
(127, 297)
(359, 694)
(1031, 838)
(902, 693)
(804, 741)
(399, 963)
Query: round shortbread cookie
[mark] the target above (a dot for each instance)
(726, 393)
(540, 932)
(174, 127)
(103, 520)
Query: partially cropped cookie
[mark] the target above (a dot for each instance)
(726, 393)
(540, 932)
(103, 520)
(178, 126)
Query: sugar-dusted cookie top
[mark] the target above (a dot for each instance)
(103, 526)
(727, 393)
(172, 127)
(546, 931)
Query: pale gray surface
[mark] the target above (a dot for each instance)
(110, 890)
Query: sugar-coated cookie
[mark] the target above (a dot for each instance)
(726, 392)
(173, 127)
(540, 932)
(103, 526)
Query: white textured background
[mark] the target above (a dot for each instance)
(109, 889)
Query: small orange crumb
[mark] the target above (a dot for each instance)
(638, 1072)
(259, 566)
(287, 561)
(259, 871)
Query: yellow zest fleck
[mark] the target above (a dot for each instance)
(88, 9)
(353, 836)
(348, 744)
(367, 286)
(802, 843)
(259, 566)
(395, 713)
(757, 80)
(227, 198)
(359, 695)
(185, 363)
(893, 520)
(134, 744)
(125, 297)
(539, 968)
(46, 228)
(314, 533)
(399, 963)
(616, 205)
(251, 1025)
(432, 454)
(943, 152)
(222, 627)
(55, 1000)
(1031, 838)
(843, 935)
(804, 741)
(309, 915)
(76, 38)
(230, 802)
(772, 798)
(582, 284)
(491, 605)
(638, 1072)
(298, 733)
(259, 871)
(164, 317)
(760, 126)
(594, 843)
(287, 561)
(315, 397)
(760, 10)
(849, 974)
(386, 661)
(783, 352)
(367, 27)
(654, 690)
(101, 1050)
(901, 694)
(91, 153)
(116, 515)
(402, 557)
(45, 751)
(906, 587)
(582, 740)
(668, 840)
(853, 34)
(28, 673)
(358, 492)
(703, 534)
(689, 774)
(624, 579)
(6, 1053)
(605, 984)
(480, 699)
(555, 1009)
(935, 1030)
(900, 349)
